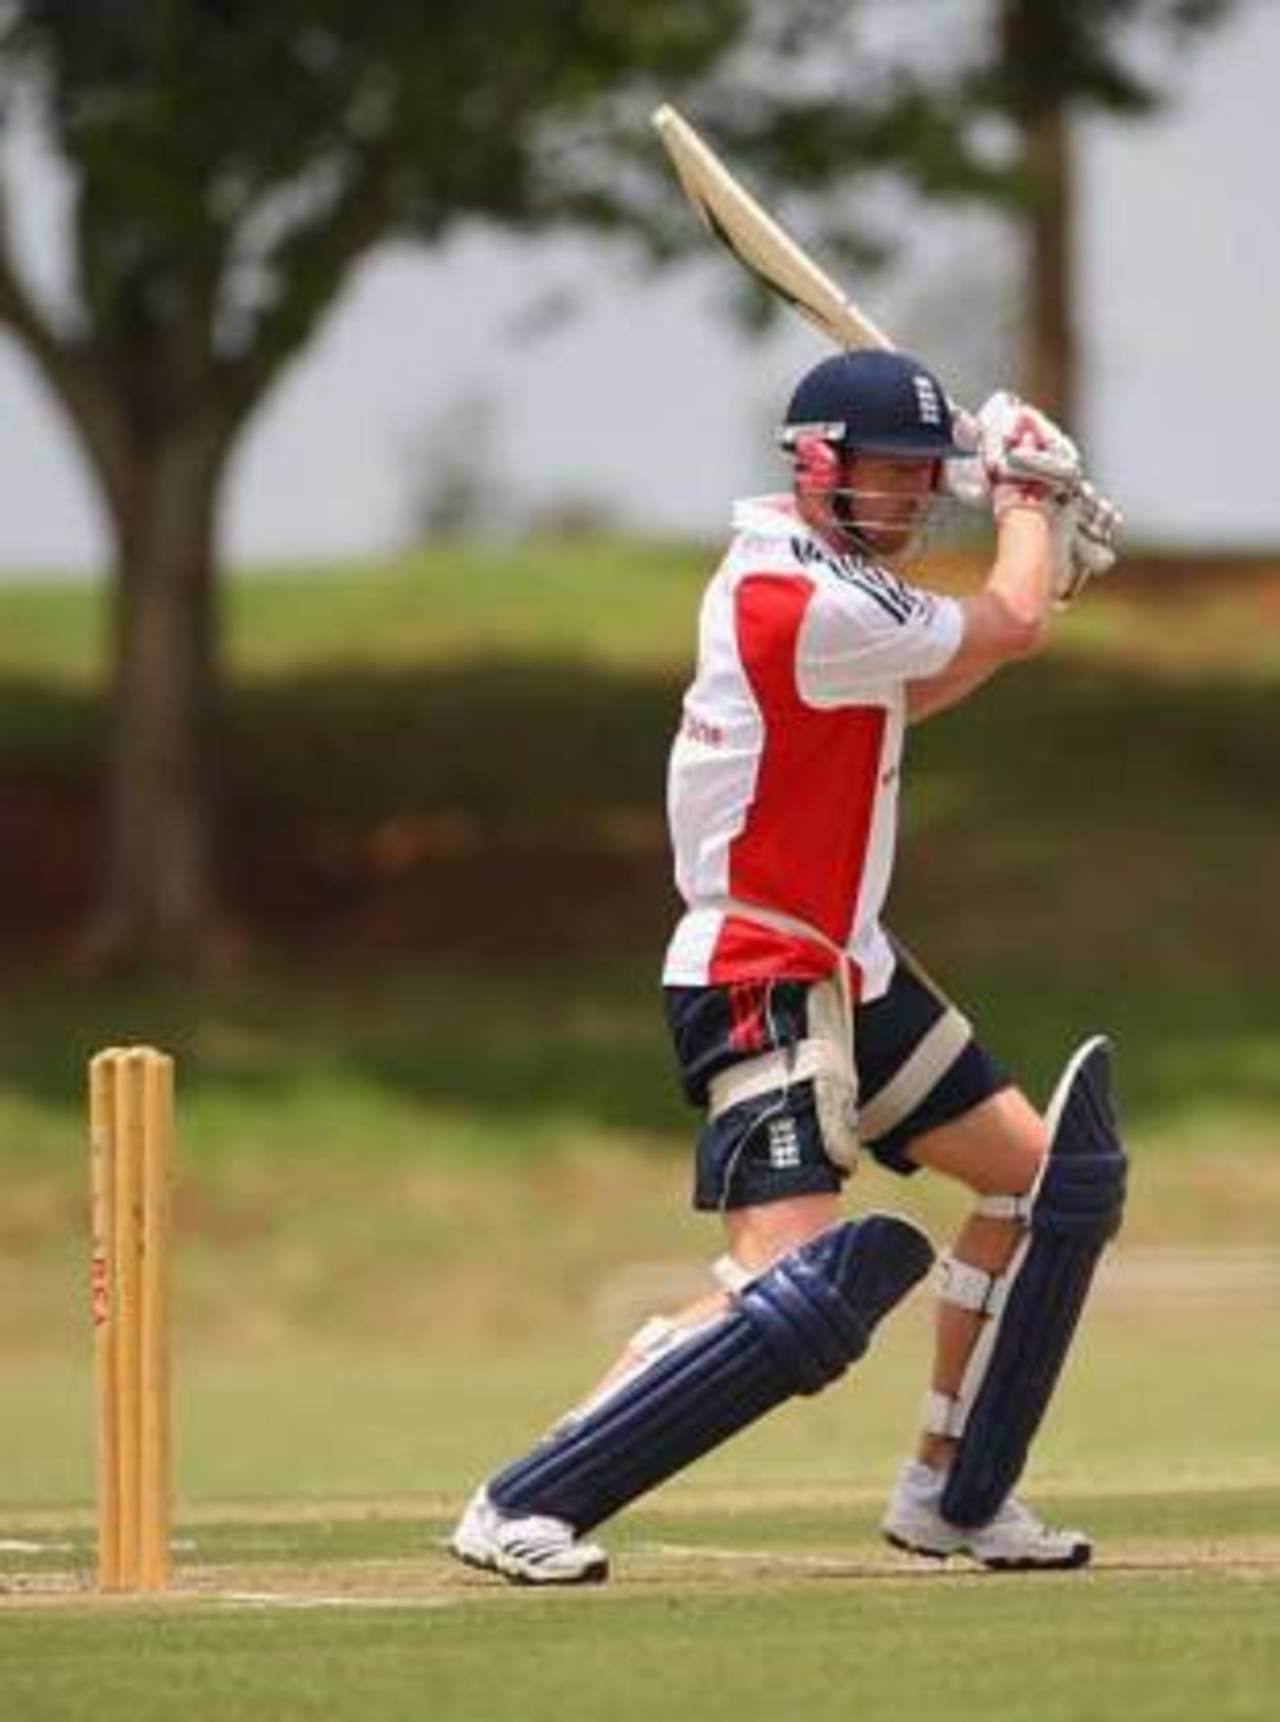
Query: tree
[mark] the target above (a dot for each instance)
(232, 161)
(1051, 58)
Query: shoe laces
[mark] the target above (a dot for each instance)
(1015, 1512)
(542, 1528)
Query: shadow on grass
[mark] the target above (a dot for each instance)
(458, 883)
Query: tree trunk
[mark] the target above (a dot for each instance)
(160, 907)
(1049, 358)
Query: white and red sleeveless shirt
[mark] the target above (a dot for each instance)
(783, 780)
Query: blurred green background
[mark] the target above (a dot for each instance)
(433, 1159)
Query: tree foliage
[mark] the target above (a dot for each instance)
(1085, 53)
(1044, 63)
(231, 161)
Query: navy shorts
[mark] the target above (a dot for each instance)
(770, 1148)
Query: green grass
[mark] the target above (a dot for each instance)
(444, 833)
(1179, 1649)
(434, 1166)
(1183, 1648)
(753, 1611)
(603, 601)
(406, 1350)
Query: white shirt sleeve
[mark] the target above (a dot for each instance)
(867, 632)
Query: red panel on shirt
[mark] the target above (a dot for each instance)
(746, 951)
(748, 1008)
(803, 848)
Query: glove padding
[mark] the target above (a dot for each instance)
(1026, 459)
(1086, 526)
(1086, 539)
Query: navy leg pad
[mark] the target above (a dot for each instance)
(1077, 1208)
(793, 1330)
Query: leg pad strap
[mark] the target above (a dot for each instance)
(971, 1288)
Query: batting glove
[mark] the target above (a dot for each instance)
(1027, 461)
(1086, 542)
(963, 476)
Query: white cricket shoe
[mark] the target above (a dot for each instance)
(1014, 1539)
(530, 1550)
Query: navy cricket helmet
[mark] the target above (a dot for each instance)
(872, 402)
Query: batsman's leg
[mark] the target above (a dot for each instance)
(791, 1328)
(1050, 1195)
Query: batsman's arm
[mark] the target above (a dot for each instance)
(1006, 620)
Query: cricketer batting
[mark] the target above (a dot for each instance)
(804, 1033)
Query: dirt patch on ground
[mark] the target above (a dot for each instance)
(669, 1566)
(717, 1539)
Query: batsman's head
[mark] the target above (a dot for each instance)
(868, 432)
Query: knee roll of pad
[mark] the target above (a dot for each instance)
(790, 1331)
(1033, 1309)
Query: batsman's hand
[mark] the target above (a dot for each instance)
(1027, 461)
(1086, 525)
(963, 476)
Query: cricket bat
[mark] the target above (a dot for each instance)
(763, 246)
(759, 242)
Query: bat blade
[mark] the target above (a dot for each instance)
(759, 242)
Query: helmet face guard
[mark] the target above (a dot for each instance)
(883, 522)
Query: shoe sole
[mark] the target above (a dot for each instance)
(908, 1548)
(1072, 1562)
(1078, 1557)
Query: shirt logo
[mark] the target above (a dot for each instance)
(784, 1143)
(698, 729)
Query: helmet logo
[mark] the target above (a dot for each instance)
(927, 399)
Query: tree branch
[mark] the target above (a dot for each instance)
(67, 365)
(311, 264)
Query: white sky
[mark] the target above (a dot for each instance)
(651, 403)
